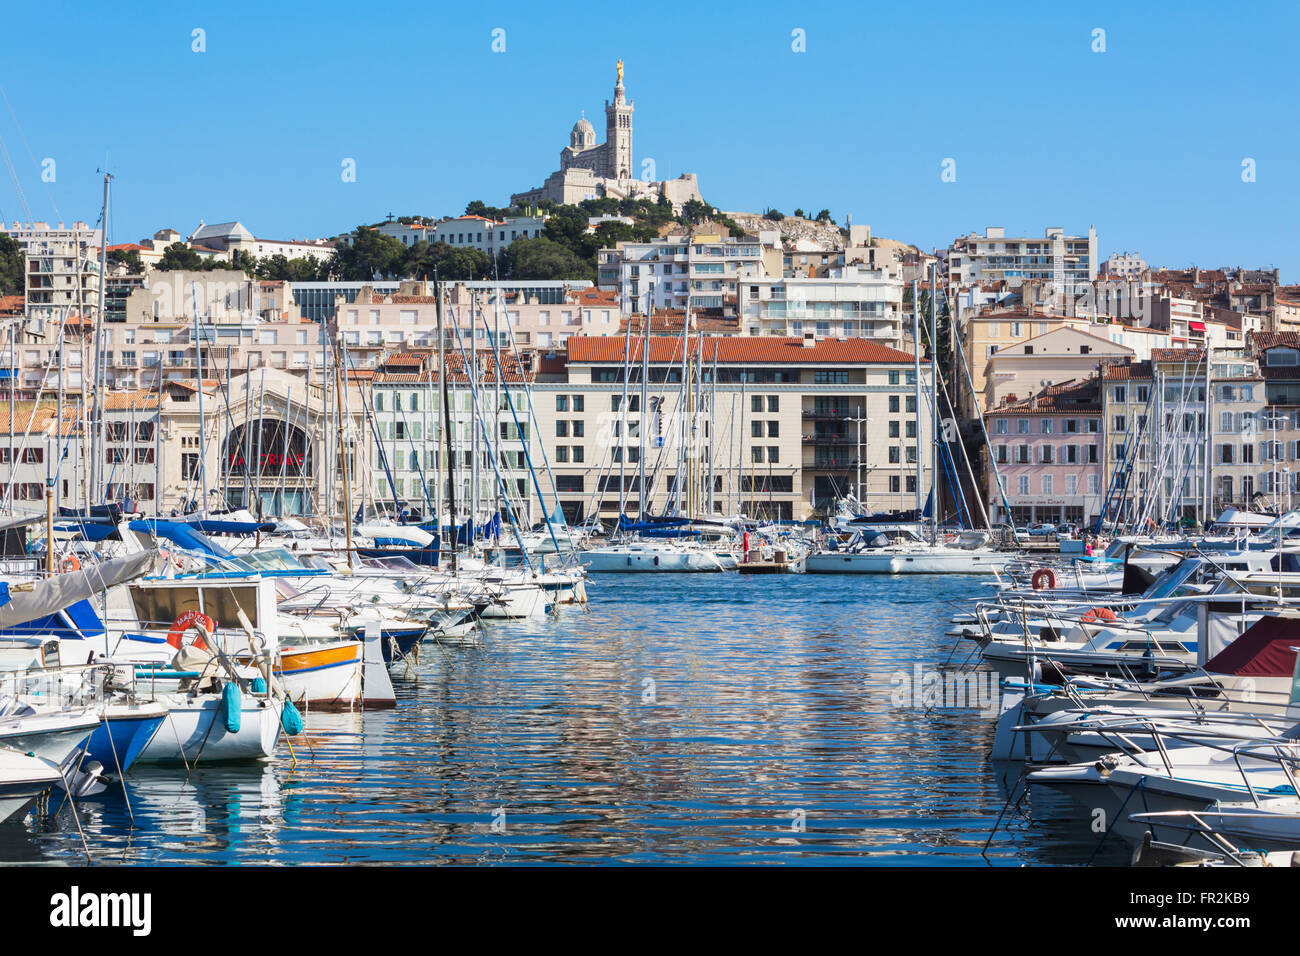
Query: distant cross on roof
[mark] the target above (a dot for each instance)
(390, 217)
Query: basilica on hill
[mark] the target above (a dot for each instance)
(591, 170)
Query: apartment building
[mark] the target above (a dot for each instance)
(1065, 260)
(1163, 415)
(1045, 454)
(472, 232)
(1023, 368)
(846, 301)
(683, 270)
(1124, 265)
(774, 427)
(61, 270)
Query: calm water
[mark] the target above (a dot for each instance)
(682, 719)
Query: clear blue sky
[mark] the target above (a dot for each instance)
(1145, 141)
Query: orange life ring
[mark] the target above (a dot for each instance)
(70, 563)
(1099, 615)
(207, 628)
(1044, 578)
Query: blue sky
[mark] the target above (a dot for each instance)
(1145, 141)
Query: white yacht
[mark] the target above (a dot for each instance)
(906, 552)
(650, 556)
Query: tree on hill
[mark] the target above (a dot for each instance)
(544, 258)
(11, 266)
(126, 257)
(424, 260)
(369, 255)
(180, 256)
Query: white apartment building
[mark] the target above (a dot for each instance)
(473, 232)
(1124, 265)
(682, 271)
(62, 267)
(849, 302)
(995, 256)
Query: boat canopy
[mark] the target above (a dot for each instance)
(1266, 649)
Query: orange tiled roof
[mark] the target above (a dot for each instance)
(751, 349)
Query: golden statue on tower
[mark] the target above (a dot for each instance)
(620, 72)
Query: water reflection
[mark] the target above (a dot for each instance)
(682, 720)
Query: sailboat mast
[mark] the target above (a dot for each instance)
(446, 422)
(645, 406)
(934, 421)
(97, 454)
(916, 375)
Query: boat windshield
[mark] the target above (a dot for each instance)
(275, 560)
(393, 563)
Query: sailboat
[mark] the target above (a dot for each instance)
(902, 548)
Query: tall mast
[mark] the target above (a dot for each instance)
(198, 360)
(934, 422)
(645, 405)
(97, 456)
(446, 421)
(343, 458)
(622, 424)
(916, 374)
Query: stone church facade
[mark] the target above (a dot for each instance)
(591, 170)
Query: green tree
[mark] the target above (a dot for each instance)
(11, 266)
(181, 256)
(798, 213)
(126, 257)
(369, 255)
(425, 259)
(544, 258)
(824, 216)
(773, 214)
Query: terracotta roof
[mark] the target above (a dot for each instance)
(11, 304)
(32, 418)
(1267, 340)
(1177, 355)
(1076, 395)
(1126, 371)
(594, 297)
(140, 398)
(734, 350)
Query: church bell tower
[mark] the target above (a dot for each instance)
(618, 132)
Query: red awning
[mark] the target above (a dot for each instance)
(1196, 326)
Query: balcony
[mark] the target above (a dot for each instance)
(830, 438)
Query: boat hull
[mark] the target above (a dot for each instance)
(195, 730)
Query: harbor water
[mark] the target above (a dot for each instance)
(708, 718)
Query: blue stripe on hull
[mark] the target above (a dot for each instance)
(130, 735)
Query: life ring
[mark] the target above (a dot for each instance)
(1099, 615)
(1044, 579)
(70, 563)
(206, 628)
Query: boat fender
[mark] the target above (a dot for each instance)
(290, 719)
(1099, 615)
(258, 686)
(231, 704)
(1044, 578)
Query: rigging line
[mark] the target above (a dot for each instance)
(13, 177)
(28, 146)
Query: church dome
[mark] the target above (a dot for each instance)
(583, 135)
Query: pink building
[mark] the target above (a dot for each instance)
(1046, 450)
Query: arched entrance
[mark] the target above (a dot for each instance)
(267, 468)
